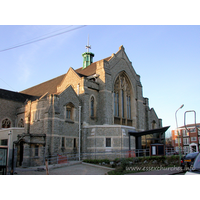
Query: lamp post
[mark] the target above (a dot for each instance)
(178, 134)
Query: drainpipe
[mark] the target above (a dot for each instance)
(8, 153)
(79, 134)
(29, 118)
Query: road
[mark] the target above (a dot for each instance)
(78, 169)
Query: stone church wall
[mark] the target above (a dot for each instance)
(94, 140)
(8, 110)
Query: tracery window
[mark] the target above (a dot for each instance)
(6, 123)
(122, 100)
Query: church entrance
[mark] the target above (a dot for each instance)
(144, 139)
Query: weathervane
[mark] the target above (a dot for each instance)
(88, 46)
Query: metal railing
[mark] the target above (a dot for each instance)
(30, 160)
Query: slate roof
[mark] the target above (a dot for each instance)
(15, 96)
(48, 86)
(90, 70)
(51, 85)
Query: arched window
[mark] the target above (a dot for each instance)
(21, 123)
(116, 104)
(122, 91)
(68, 112)
(122, 100)
(92, 106)
(128, 100)
(6, 123)
(69, 109)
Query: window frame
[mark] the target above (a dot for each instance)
(6, 121)
(36, 153)
(63, 142)
(193, 139)
(75, 143)
(69, 114)
(92, 107)
(122, 100)
(108, 142)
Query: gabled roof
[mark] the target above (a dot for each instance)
(51, 85)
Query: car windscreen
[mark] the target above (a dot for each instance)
(196, 165)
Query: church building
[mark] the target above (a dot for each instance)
(89, 109)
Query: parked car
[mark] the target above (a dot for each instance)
(188, 160)
(195, 170)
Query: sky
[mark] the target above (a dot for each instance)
(162, 42)
(163, 53)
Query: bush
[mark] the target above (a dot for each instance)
(120, 164)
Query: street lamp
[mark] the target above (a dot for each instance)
(178, 134)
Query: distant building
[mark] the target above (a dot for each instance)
(102, 101)
(189, 138)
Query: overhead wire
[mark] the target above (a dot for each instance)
(20, 45)
(7, 84)
(40, 39)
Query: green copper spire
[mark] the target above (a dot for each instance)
(87, 56)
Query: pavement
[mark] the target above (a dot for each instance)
(70, 168)
(81, 168)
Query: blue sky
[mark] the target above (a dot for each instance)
(166, 58)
